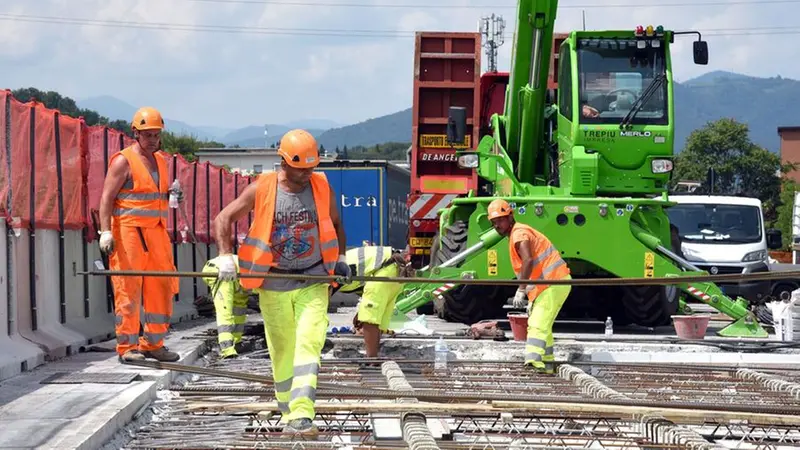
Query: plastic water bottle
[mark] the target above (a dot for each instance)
(609, 326)
(440, 363)
(173, 196)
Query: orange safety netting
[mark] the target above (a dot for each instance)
(58, 165)
(228, 194)
(21, 176)
(202, 209)
(214, 194)
(73, 164)
(243, 225)
(5, 96)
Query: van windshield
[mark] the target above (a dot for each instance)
(712, 224)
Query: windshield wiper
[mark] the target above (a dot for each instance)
(639, 102)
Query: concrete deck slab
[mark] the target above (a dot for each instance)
(84, 416)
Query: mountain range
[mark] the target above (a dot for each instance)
(762, 103)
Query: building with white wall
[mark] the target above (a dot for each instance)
(247, 160)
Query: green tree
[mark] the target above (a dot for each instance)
(786, 210)
(187, 146)
(742, 167)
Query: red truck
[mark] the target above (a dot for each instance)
(447, 72)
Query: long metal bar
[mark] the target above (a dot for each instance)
(448, 396)
(758, 276)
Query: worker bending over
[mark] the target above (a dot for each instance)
(230, 305)
(376, 304)
(296, 229)
(534, 257)
(133, 232)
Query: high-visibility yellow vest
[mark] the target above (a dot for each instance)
(366, 260)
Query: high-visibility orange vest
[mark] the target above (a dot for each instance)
(548, 264)
(146, 205)
(254, 253)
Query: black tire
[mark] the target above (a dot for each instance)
(650, 306)
(763, 314)
(426, 309)
(604, 302)
(781, 289)
(465, 304)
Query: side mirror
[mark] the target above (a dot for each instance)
(774, 239)
(456, 124)
(700, 50)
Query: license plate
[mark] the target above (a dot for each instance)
(421, 242)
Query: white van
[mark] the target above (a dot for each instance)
(725, 235)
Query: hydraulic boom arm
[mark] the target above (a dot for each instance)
(527, 88)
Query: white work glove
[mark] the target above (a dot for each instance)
(520, 299)
(106, 242)
(227, 268)
(342, 269)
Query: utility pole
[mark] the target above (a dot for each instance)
(492, 29)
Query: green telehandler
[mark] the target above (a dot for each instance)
(589, 167)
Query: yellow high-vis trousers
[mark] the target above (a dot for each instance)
(295, 323)
(230, 305)
(378, 299)
(542, 314)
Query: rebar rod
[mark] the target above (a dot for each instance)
(770, 382)
(415, 426)
(655, 426)
(656, 281)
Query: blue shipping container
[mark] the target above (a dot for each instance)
(372, 201)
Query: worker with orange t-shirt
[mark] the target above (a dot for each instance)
(534, 257)
(133, 224)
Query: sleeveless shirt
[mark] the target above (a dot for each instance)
(295, 237)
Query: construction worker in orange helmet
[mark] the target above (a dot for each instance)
(133, 232)
(533, 257)
(296, 229)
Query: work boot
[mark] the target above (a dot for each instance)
(242, 347)
(301, 426)
(542, 369)
(131, 355)
(163, 355)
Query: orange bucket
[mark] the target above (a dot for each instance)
(691, 327)
(519, 326)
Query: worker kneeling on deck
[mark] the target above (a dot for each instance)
(534, 257)
(133, 232)
(296, 230)
(230, 305)
(377, 298)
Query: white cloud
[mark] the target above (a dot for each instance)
(236, 79)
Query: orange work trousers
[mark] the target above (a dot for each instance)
(153, 293)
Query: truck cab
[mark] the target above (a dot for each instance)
(725, 235)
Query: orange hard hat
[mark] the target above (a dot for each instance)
(299, 149)
(499, 208)
(147, 118)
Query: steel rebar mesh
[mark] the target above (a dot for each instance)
(176, 426)
(717, 387)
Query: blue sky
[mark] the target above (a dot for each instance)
(235, 79)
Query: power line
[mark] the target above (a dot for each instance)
(495, 6)
(385, 33)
